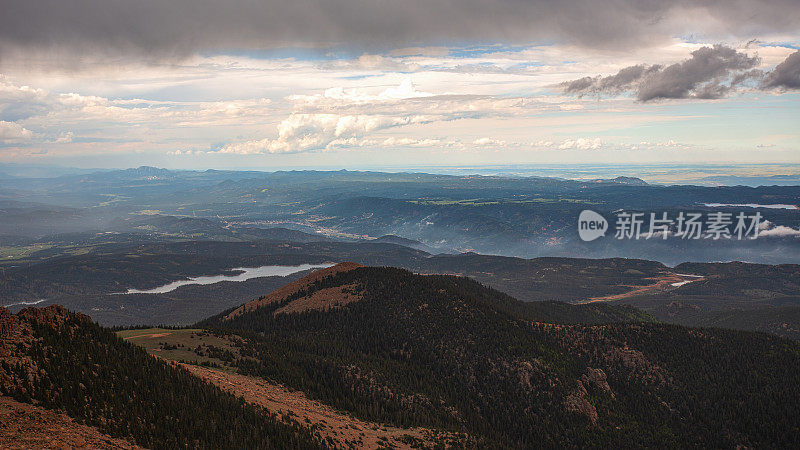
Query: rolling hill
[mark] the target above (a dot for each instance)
(447, 353)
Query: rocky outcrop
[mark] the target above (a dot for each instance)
(54, 315)
(577, 402)
(597, 378)
(638, 365)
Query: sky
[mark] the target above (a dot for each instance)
(369, 83)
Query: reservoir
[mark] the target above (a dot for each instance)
(246, 273)
(749, 205)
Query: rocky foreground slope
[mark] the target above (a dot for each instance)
(25, 426)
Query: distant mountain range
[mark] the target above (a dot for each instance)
(511, 216)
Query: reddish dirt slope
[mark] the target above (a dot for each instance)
(666, 282)
(343, 430)
(293, 287)
(24, 426)
(324, 299)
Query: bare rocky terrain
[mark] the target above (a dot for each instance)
(25, 426)
(340, 429)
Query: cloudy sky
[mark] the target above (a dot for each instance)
(367, 83)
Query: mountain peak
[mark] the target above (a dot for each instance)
(294, 288)
(630, 181)
(53, 315)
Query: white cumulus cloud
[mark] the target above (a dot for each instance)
(581, 144)
(489, 142)
(303, 132)
(11, 132)
(768, 229)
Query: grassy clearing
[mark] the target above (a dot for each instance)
(188, 345)
(23, 251)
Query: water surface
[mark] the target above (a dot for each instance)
(749, 205)
(246, 273)
(28, 303)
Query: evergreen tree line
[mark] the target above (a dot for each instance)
(103, 381)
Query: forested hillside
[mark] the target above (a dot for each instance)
(434, 352)
(448, 353)
(61, 360)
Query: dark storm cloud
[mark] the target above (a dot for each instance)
(705, 75)
(163, 28)
(622, 81)
(711, 72)
(786, 74)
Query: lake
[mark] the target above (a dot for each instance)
(246, 273)
(28, 303)
(749, 205)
